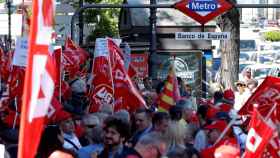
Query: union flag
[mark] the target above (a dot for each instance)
(39, 83)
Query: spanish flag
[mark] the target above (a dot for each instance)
(170, 94)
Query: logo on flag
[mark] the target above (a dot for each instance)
(253, 140)
(258, 137)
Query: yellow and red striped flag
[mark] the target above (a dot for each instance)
(170, 94)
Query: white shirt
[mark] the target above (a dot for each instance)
(240, 99)
(74, 139)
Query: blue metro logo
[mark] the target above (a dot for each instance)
(203, 10)
(203, 5)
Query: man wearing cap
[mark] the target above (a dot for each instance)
(67, 126)
(215, 129)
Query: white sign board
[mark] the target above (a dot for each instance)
(101, 47)
(202, 35)
(127, 55)
(20, 55)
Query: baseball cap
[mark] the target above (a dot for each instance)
(240, 83)
(219, 125)
(229, 94)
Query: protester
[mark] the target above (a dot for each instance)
(143, 123)
(96, 145)
(241, 95)
(178, 152)
(176, 135)
(151, 145)
(216, 139)
(161, 121)
(246, 75)
(89, 122)
(116, 133)
(123, 115)
(148, 83)
(67, 126)
(52, 141)
(252, 84)
(200, 140)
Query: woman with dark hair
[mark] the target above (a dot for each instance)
(52, 142)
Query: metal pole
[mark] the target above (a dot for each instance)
(153, 34)
(9, 24)
(81, 24)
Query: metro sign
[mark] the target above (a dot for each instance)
(203, 10)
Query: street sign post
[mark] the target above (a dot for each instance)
(203, 10)
(202, 35)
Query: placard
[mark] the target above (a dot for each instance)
(140, 63)
(20, 55)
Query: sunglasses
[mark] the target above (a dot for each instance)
(241, 85)
(90, 126)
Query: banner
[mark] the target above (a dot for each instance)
(140, 64)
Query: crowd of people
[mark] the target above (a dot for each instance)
(189, 129)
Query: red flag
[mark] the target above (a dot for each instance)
(58, 55)
(79, 53)
(102, 89)
(170, 94)
(39, 80)
(265, 97)
(54, 110)
(125, 93)
(258, 136)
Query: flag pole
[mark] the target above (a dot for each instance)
(225, 130)
(111, 74)
(270, 112)
(60, 75)
(23, 19)
(16, 115)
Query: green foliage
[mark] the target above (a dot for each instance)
(105, 21)
(272, 36)
(2, 1)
